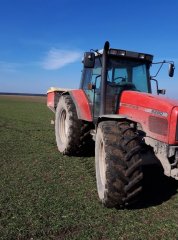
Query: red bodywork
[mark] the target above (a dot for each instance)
(156, 115)
(79, 98)
(82, 105)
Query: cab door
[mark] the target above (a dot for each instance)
(91, 84)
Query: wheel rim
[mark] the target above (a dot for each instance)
(102, 164)
(63, 126)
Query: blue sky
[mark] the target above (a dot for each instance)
(42, 41)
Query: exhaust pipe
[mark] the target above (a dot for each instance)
(104, 78)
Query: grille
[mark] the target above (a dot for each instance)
(158, 125)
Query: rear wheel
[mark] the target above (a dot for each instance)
(67, 126)
(118, 164)
(72, 134)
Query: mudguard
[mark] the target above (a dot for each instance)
(79, 98)
(82, 105)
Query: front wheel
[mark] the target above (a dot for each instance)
(117, 163)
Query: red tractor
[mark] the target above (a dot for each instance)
(115, 107)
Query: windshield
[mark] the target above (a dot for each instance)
(129, 71)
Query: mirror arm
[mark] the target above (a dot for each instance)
(159, 67)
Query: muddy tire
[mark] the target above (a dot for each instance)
(67, 126)
(118, 164)
(72, 134)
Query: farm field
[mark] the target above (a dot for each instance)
(45, 195)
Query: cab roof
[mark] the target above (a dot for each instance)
(128, 54)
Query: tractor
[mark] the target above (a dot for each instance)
(115, 113)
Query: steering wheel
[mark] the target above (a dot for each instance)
(123, 79)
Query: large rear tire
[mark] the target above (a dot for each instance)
(67, 126)
(118, 164)
(72, 134)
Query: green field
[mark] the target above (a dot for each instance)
(44, 195)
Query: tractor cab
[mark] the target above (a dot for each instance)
(109, 72)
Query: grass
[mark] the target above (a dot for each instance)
(45, 195)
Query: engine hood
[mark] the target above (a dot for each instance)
(149, 101)
(157, 115)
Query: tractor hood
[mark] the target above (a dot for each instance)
(148, 100)
(157, 115)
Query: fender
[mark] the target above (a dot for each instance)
(79, 98)
(82, 105)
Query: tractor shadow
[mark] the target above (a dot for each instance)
(87, 151)
(157, 188)
(86, 154)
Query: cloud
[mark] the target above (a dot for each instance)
(58, 58)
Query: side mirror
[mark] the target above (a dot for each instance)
(89, 60)
(171, 69)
